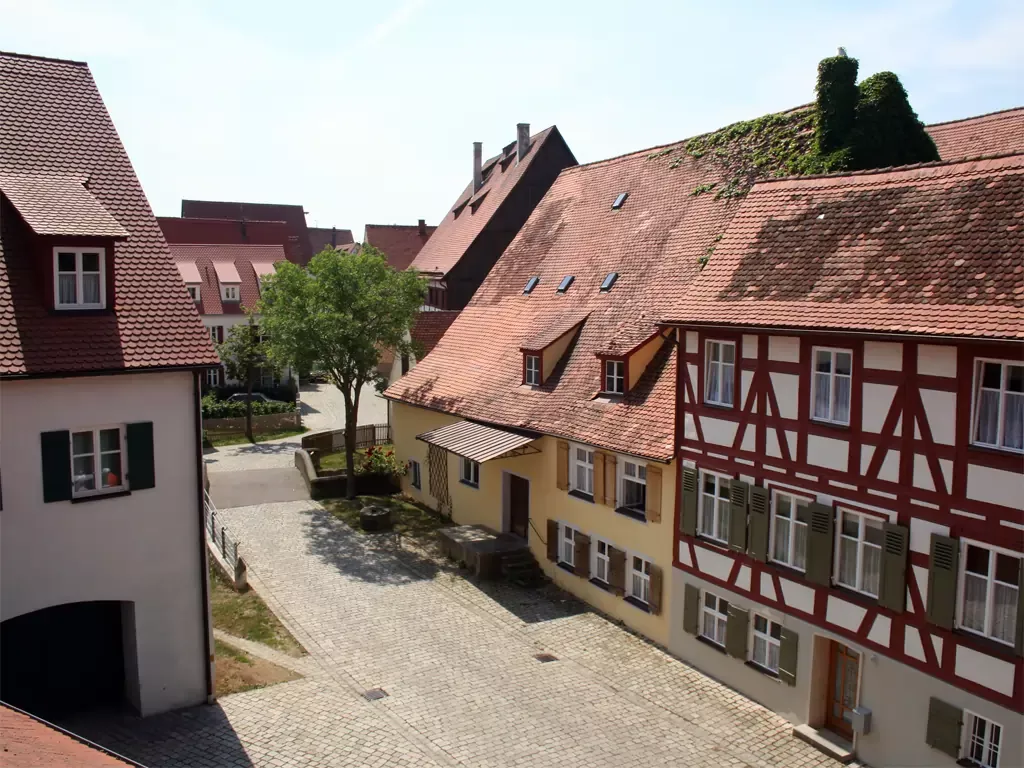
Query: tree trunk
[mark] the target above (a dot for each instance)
(248, 404)
(351, 420)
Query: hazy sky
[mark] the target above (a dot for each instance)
(366, 112)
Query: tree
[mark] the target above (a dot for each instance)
(243, 353)
(339, 314)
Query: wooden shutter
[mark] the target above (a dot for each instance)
(55, 448)
(653, 510)
(819, 544)
(736, 632)
(1019, 643)
(688, 505)
(789, 644)
(598, 477)
(562, 472)
(220, 334)
(654, 601)
(581, 555)
(942, 577)
(893, 587)
(760, 519)
(739, 492)
(943, 729)
(611, 481)
(691, 609)
(553, 541)
(141, 467)
(617, 570)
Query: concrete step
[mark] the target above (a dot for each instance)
(825, 741)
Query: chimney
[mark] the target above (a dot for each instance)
(334, 237)
(522, 141)
(423, 227)
(478, 166)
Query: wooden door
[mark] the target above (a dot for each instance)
(519, 505)
(844, 669)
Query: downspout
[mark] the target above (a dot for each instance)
(204, 579)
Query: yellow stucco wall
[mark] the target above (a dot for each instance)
(485, 505)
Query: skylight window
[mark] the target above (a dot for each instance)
(619, 200)
(531, 284)
(566, 282)
(609, 281)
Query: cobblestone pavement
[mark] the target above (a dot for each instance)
(456, 659)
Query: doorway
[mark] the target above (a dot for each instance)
(519, 506)
(844, 672)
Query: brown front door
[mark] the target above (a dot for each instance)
(519, 505)
(843, 674)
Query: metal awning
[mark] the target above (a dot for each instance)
(479, 442)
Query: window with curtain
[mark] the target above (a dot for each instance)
(567, 552)
(615, 376)
(713, 521)
(634, 485)
(640, 579)
(999, 405)
(988, 594)
(860, 552)
(601, 560)
(720, 372)
(788, 534)
(831, 385)
(981, 740)
(715, 613)
(583, 470)
(96, 461)
(767, 639)
(79, 278)
(533, 370)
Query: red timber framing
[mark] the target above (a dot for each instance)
(880, 474)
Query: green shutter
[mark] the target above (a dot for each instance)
(141, 470)
(1019, 644)
(893, 588)
(943, 729)
(760, 515)
(56, 455)
(739, 493)
(819, 544)
(688, 510)
(789, 643)
(736, 632)
(942, 576)
(691, 609)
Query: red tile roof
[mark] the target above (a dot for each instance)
(52, 204)
(932, 249)
(213, 260)
(400, 243)
(430, 327)
(463, 223)
(293, 215)
(229, 231)
(997, 133)
(53, 122)
(26, 742)
(321, 237)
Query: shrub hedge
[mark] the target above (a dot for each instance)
(222, 409)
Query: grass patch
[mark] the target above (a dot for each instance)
(237, 671)
(408, 517)
(336, 459)
(219, 439)
(245, 615)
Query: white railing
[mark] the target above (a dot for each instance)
(218, 534)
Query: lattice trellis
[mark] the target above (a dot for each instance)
(437, 465)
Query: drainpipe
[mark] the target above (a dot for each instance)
(204, 580)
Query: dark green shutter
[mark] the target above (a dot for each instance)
(789, 644)
(736, 632)
(1019, 644)
(739, 493)
(819, 544)
(688, 510)
(943, 729)
(893, 588)
(942, 576)
(760, 515)
(56, 455)
(691, 609)
(141, 471)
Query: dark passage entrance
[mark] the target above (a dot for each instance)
(63, 659)
(519, 505)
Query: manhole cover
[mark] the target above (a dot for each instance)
(544, 658)
(375, 693)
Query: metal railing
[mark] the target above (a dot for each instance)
(218, 534)
(367, 435)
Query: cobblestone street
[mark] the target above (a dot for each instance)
(456, 659)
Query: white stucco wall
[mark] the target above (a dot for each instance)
(143, 547)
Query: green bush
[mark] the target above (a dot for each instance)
(836, 104)
(887, 131)
(221, 409)
(380, 460)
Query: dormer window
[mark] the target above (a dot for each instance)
(228, 292)
(193, 291)
(615, 377)
(531, 370)
(564, 285)
(79, 278)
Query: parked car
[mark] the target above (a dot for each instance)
(240, 397)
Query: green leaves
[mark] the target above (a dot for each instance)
(243, 351)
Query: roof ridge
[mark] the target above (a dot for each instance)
(975, 117)
(33, 57)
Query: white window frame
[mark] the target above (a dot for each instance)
(96, 454)
(615, 377)
(79, 252)
(213, 333)
(229, 291)
(793, 523)
(567, 544)
(721, 521)
(575, 463)
(990, 741)
(641, 469)
(862, 542)
(721, 619)
(469, 472)
(961, 591)
(533, 372)
(769, 642)
(416, 479)
(976, 390)
(194, 291)
(213, 377)
(638, 582)
(834, 352)
(723, 368)
(599, 561)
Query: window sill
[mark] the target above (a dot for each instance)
(469, 484)
(83, 311)
(789, 569)
(716, 543)
(720, 406)
(417, 487)
(100, 496)
(582, 496)
(763, 670)
(601, 584)
(862, 599)
(566, 567)
(826, 423)
(635, 514)
(985, 644)
(712, 644)
(994, 450)
(637, 603)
